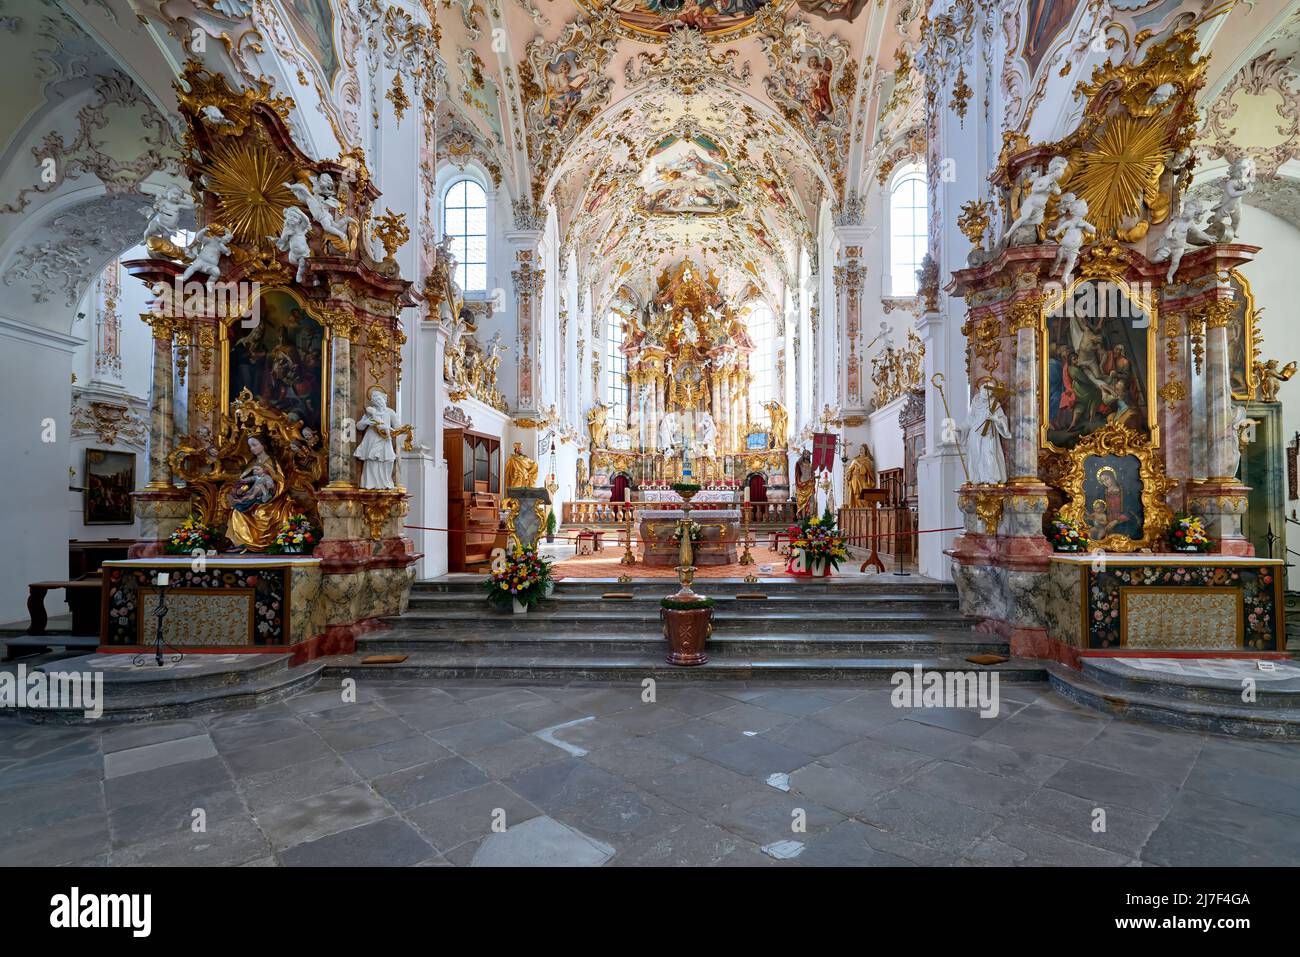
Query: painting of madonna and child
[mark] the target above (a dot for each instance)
(1097, 369)
(1112, 493)
(277, 354)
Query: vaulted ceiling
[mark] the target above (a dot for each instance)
(664, 128)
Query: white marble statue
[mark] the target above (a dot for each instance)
(670, 431)
(323, 204)
(1225, 218)
(1042, 188)
(207, 248)
(213, 116)
(1181, 233)
(165, 215)
(376, 450)
(986, 427)
(1071, 229)
(495, 346)
(1161, 94)
(293, 239)
(708, 431)
(1243, 433)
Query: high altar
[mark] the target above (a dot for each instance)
(688, 356)
(277, 346)
(1112, 361)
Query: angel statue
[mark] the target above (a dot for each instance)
(1071, 228)
(1182, 232)
(1270, 377)
(1041, 189)
(323, 204)
(293, 240)
(377, 451)
(1225, 218)
(165, 216)
(597, 428)
(985, 429)
(779, 431)
(207, 248)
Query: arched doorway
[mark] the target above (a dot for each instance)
(756, 482)
(620, 487)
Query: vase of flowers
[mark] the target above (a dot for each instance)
(297, 536)
(1067, 536)
(191, 535)
(686, 490)
(688, 624)
(1187, 534)
(519, 580)
(816, 548)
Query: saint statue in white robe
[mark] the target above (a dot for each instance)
(377, 451)
(986, 428)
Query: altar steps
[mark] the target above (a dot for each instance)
(1194, 703)
(465, 585)
(198, 684)
(725, 604)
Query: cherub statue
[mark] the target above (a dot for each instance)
(293, 239)
(254, 487)
(213, 116)
(1225, 218)
(1270, 377)
(165, 215)
(1071, 228)
(1182, 232)
(1041, 189)
(207, 248)
(323, 204)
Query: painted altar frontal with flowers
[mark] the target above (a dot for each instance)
(1166, 603)
(280, 603)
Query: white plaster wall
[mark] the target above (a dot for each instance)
(886, 437)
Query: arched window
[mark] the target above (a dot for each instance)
(616, 389)
(464, 219)
(762, 325)
(908, 226)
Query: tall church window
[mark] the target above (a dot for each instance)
(908, 226)
(762, 325)
(464, 220)
(616, 388)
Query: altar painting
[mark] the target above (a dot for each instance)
(1112, 494)
(110, 480)
(1097, 365)
(1117, 489)
(313, 24)
(277, 353)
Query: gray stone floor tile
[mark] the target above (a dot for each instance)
(692, 844)
(354, 737)
(972, 787)
(164, 782)
(847, 845)
(150, 732)
(238, 736)
(1123, 830)
(541, 842)
(518, 754)
(169, 816)
(757, 756)
(749, 717)
(472, 736)
(297, 781)
(380, 759)
(428, 782)
(149, 757)
(471, 815)
(769, 815)
(1014, 844)
(1175, 844)
(390, 842)
(224, 844)
(1109, 787)
(811, 737)
(276, 754)
(311, 818)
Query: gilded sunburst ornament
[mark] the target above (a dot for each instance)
(1121, 170)
(249, 184)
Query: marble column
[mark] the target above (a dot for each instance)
(1024, 391)
(162, 395)
(1218, 393)
(342, 425)
(652, 413)
(1175, 394)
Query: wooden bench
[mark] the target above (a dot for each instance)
(82, 596)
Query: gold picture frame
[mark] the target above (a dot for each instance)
(1243, 302)
(1106, 450)
(1050, 306)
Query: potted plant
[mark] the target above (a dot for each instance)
(1067, 536)
(297, 536)
(687, 490)
(191, 535)
(518, 580)
(1186, 534)
(550, 528)
(817, 548)
(688, 624)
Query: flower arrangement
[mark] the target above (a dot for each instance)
(297, 536)
(693, 529)
(818, 540)
(1186, 534)
(189, 535)
(1067, 536)
(520, 575)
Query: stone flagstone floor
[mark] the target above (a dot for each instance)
(486, 773)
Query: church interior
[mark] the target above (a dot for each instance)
(654, 420)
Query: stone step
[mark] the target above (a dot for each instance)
(932, 642)
(876, 670)
(1276, 689)
(624, 621)
(140, 698)
(194, 672)
(1247, 721)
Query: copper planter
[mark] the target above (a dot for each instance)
(687, 631)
